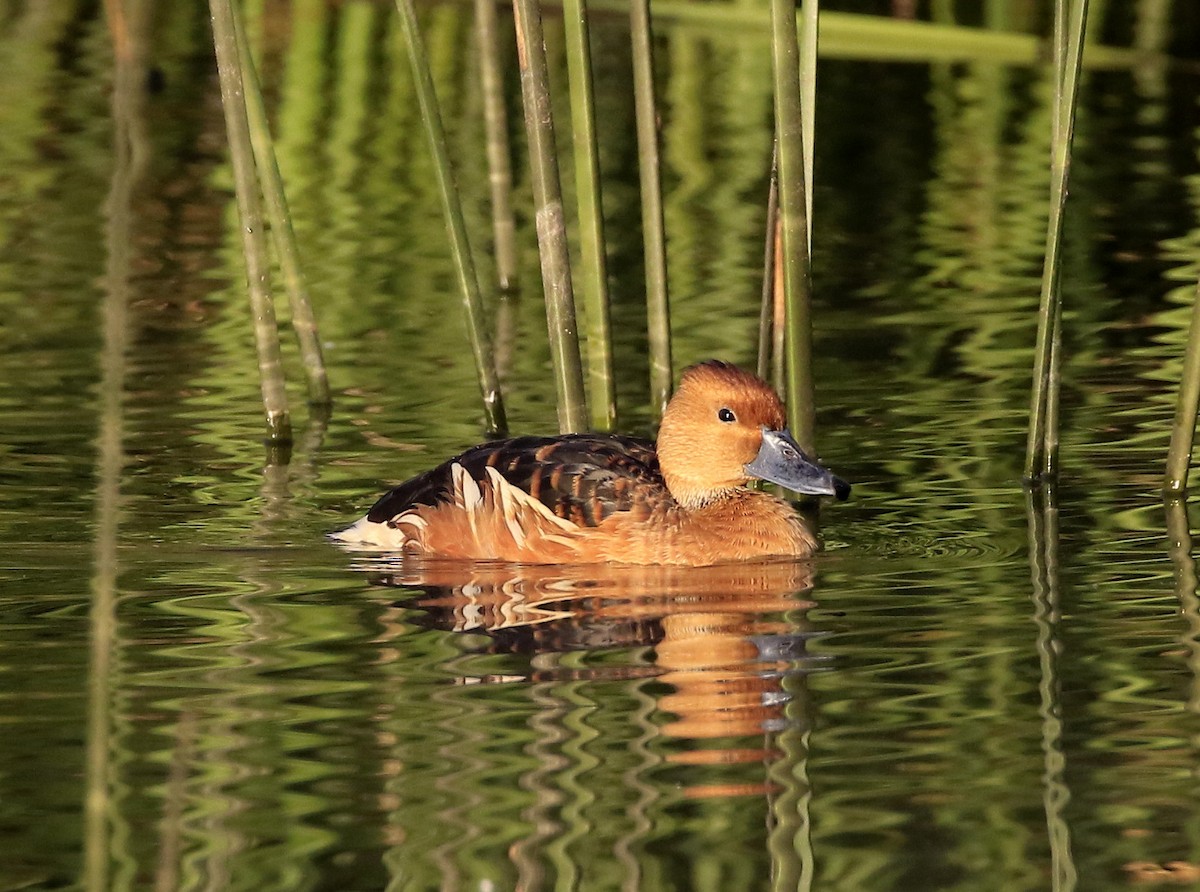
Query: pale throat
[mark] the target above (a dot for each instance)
(696, 492)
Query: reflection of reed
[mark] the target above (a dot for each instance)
(1179, 538)
(464, 750)
(549, 736)
(175, 796)
(790, 839)
(1042, 510)
(635, 779)
(127, 22)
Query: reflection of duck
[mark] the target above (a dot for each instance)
(586, 498)
(718, 637)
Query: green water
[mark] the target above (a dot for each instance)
(969, 689)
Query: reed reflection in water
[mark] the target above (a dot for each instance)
(717, 657)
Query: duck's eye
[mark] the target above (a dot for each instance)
(726, 415)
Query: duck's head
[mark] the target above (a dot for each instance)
(725, 426)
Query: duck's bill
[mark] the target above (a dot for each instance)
(782, 461)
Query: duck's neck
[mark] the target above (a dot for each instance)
(694, 497)
(695, 493)
(740, 524)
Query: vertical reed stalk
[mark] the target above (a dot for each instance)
(809, 16)
(1183, 432)
(254, 244)
(1053, 394)
(1041, 453)
(504, 230)
(304, 321)
(792, 206)
(594, 273)
(1060, 48)
(766, 313)
(779, 311)
(653, 228)
(551, 226)
(468, 281)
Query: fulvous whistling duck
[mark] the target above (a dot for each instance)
(588, 498)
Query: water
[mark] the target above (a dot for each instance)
(969, 689)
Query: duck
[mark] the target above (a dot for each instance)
(684, 499)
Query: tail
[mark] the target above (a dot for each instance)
(366, 532)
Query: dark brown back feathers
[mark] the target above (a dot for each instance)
(583, 478)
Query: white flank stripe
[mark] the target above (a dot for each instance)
(505, 493)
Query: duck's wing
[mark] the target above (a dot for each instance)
(581, 478)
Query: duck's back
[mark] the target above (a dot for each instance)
(525, 498)
(581, 478)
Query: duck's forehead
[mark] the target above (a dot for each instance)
(758, 406)
(751, 398)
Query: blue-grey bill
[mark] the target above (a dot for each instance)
(782, 461)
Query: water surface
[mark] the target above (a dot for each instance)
(970, 688)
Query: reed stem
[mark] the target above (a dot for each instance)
(1041, 453)
(793, 215)
(551, 225)
(1183, 431)
(304, 321)
(254, 245)
(809, 23)
(593, 262)
(779, 313)
(1053, 395)
(468, 281)
(654, 239)
(766, 313)
(504, 229)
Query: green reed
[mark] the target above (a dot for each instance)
(592, 254)
(1041, 453)
(304, 321)
(766, 312)
(654, 238)
(550, 221)
(504, 233)
(793, 222)
(254, 245)
(1183, 431)
(468, 280)
(809, 29)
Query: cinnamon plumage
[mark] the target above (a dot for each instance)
(588, 498)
